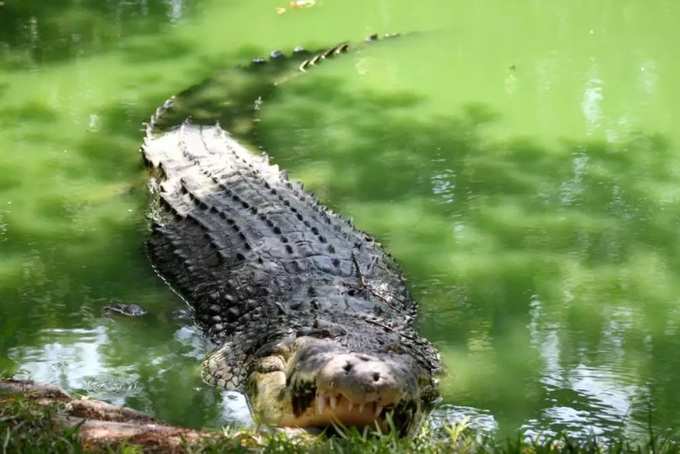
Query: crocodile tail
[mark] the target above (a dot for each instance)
(339, 49)
(158, 114)
(242, 89)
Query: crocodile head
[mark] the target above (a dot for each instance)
(315, 382)
(331, 368)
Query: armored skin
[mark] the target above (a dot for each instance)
(311, 317)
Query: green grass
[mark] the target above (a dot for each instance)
(26, 427)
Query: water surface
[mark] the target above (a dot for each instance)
(520, 160)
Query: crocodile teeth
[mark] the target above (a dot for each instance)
(378, 409)
(361, 407)
(350, 406)
(320, 404)
(334, 402)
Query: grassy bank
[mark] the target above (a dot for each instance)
(28, 427)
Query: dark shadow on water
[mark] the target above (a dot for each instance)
(164, 49)
(38, 32)
(28, 113)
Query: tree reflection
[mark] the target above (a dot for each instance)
(34, 32)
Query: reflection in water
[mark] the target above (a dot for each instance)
(176, 9)
(235, 410)
(34, 32)
(586, 399)
(73, 360)
(649, 77)
(591, 105)
(234, 406)
(196, 345)
(81, 361)
(511, 81)
(94, 123)
(444, 186)
(545, 340)
(572, 189)
(3, 228)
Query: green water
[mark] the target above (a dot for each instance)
(520, 159)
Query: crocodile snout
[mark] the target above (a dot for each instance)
(361, 379)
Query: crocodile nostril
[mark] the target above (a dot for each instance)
(347, 367)
(376, 376)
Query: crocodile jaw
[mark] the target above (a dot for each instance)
(327, 410)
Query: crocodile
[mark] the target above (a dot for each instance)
(310, 316)
(128, 310)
